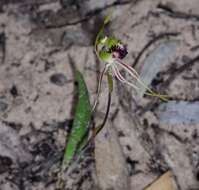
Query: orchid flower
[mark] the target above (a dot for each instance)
(112, 51)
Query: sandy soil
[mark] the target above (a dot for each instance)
(144, 137)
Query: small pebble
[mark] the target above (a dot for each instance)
(14, 91)
(58, 79)
(3, 106)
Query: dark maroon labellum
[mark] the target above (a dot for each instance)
(119, 51)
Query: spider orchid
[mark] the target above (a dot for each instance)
(112, 51)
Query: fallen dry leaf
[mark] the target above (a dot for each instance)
(164, 182)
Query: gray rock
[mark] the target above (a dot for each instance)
(156, 62)
(179, 113)
(58, 79)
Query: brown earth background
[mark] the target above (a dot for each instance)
(41, 40)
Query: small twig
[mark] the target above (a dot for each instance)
(177, 14)
(87, 17)
(173, 72)
(3, 46)
(151, 42)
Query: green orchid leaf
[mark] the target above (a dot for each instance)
(78, 136)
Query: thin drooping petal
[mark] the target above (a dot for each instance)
(126, 66)
(119, 76)
(132, 73)
(135, 76)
